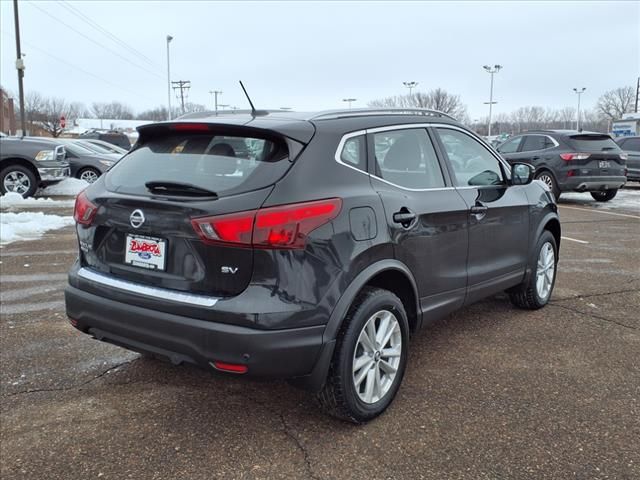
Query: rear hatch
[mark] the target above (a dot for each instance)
(598, 155)
(143, 230)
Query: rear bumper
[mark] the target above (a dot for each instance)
(593, 184)
(267, 353)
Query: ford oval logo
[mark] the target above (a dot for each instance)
(136, 218)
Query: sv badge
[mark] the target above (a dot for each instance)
(231, 270)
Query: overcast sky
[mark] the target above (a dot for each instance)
(311, 55)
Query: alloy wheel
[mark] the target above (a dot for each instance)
(17, 182)
(89, 176)
(545, 270)
(376, 358)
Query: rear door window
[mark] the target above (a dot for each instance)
(593, 143)
(224, 164)
(534, 142)
(407, 158)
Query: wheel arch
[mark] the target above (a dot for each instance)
(389, 274)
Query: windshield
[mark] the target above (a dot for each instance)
(78, 149)
(222, 164)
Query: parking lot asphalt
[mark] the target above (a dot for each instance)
(490, 392)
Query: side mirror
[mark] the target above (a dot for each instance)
(521, 174)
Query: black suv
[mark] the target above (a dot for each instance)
(314, 256)
(571, 160)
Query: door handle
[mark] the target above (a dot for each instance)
(535, 158)
(478, 210)
(404, 217)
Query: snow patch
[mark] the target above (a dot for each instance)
(626, 200)
(29, 225)
(69, 186)
(13, 199)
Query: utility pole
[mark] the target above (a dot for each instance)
(20, 68)
(169, 38)
(496, 68)
(349, 100)
(215, 94)
(579, 92)
(183, 86)
(637, 94)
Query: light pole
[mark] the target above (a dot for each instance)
(169, 38)
(579, 92)
(410, 86)
(491, 70)
(349, 100)
(215, 94)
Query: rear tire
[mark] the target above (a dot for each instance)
(549, 180)
(536, 291)
(360, 394)
(18, 179)
(604, 196)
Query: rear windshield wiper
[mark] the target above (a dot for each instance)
(178, 188)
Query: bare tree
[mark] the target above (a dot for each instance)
(113, 111)
(50, 117)
(567, 116)
(437, 99)
(34, 105)
(614, 103)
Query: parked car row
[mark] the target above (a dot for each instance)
(27, 163)
(571, 160)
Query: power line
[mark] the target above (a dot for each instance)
(94, 41)
(48, 54)
(107, 33)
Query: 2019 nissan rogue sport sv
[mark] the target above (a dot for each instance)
(313, 252)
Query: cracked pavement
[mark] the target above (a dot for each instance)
(490, 392)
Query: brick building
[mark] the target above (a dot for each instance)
(7, 114)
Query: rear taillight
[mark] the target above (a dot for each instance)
(567, 157)
(285, 226)
(84, 211)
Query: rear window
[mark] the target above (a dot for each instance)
(593, 143)
(224, 164)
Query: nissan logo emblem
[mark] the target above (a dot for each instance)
(136, 218)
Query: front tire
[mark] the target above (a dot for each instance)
(18, 179)
(370, 358)
(604, 196)
(536, 291)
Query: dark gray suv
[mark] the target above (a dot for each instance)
(313, 252)
(570, 160)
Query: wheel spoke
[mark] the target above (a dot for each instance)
(391, 352)
(370, 385)
(377, 392)
(361, 361)
(385, 321)
(361, 376)
(387, 367)
(366, 342)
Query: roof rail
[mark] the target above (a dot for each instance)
(358, 112)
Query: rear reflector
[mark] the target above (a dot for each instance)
(567, 157)
(84, 211)
(229, 367)
(285, 226)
